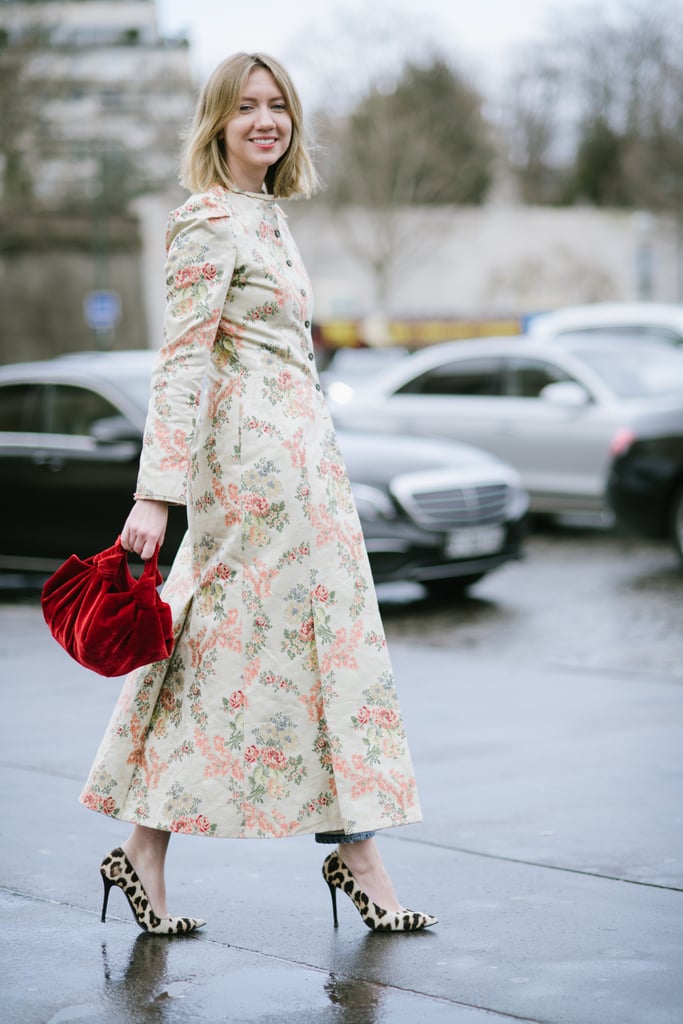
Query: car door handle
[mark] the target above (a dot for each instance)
(49, 460)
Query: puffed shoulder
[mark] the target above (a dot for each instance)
(212, 205)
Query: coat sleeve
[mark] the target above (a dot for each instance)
(199, 266)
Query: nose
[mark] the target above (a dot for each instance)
(264, 117)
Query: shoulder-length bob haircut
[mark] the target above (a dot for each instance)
(203, 161)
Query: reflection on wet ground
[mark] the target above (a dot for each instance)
(137, 988)
(155, 981)
(581, 597)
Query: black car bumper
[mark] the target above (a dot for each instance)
(642, 484)
(412, 555)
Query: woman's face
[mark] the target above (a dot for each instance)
(259, 133)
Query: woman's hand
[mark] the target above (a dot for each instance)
(145, 527)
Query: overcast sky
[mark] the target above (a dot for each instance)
(320, 38)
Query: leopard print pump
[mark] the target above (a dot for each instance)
(338, 876)
(116, 869)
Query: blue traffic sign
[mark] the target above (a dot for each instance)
(102, 310)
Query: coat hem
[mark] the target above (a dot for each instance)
(215, 833)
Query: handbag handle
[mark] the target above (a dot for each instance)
(114, 561)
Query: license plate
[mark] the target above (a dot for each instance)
(474, 540)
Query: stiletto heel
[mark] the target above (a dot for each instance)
(117, 870)
(107, 886)
(333, 894)
(338, 876)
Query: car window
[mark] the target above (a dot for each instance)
(73, 410)
(18, 408)
(526, 378)
(478, 376)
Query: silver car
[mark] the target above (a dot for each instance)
(647, 320)
(555, 413)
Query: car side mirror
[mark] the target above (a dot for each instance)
(114, 430)
(566, 393)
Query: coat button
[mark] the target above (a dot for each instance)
(277, 233)
(317, 387)
(311, 356)
(307, 323)
(289, 263)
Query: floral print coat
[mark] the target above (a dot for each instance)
(276, 714)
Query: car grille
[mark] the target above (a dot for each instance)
(478, 505)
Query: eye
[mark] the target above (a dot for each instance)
(244, 107)
(279, 106)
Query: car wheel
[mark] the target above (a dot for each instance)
(677, 522)
(451, 589)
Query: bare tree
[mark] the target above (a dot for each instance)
(420, 142)
(529, 123)
(597, 109)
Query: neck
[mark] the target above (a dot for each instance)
(248, 184)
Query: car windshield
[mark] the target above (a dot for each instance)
(637, 371)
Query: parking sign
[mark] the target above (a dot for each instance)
(102, 310)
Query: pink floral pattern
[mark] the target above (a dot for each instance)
(276, 713)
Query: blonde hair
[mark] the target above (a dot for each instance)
(203, 161)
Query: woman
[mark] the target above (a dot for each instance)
(276, 714)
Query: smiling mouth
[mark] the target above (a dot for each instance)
(264, 141)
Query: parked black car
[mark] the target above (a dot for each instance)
(70, 435)
(645, 487)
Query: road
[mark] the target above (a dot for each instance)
(581, 599)
(545, 713)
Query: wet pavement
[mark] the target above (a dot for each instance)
(545, 713)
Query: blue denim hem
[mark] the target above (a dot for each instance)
(340, 837)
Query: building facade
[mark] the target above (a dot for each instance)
(93, 102)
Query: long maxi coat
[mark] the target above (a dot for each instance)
(276, 714)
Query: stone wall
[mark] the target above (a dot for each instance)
(489, 262)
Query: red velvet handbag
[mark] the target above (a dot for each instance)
(103, 617)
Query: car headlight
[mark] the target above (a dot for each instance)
(372, 504)
(517, 503)
(340, 392)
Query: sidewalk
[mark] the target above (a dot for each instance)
(551, 851)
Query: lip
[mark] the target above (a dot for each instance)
(264, 141)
